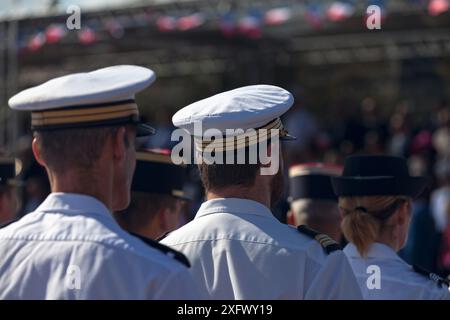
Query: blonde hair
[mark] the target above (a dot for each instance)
(365, 218)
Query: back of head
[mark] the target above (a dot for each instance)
(366, 218)
(76, 148)
(218, 176)
(157, 196)
(143, 211)
(319, 214)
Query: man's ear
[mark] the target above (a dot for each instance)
(118, 143)
(37, 152)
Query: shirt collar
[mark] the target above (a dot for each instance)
(376, 250)
(233, 206)
(73, 203)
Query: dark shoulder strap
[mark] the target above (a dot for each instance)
(165, 249)
(433, 276)
(328, 244)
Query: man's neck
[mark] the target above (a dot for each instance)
(89, 183)
(250, 193)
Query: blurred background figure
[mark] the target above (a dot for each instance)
(423, 239)
(304, 128)
(158, 201)
(312, 199)
(37, 187)
(8, 195)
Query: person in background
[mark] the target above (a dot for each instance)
(441, 207)
(375, 195)
(312, 199)
(36, 186)
(422, 245)
(8, 196)
(157, 196)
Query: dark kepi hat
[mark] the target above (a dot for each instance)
(366, 175)
(156, 173)
(8, 171)
(312, 181)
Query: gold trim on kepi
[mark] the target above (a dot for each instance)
(83, 115)
(315, 168)
(10, 168)
(250, 137)
(178, 193)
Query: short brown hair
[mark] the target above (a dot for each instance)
(237, 174)
(222, 175)
(74, 147)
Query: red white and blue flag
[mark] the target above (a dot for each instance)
(340, 10)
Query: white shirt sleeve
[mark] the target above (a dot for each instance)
(335, 280)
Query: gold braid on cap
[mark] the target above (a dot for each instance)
(251, 137)
(85, 114)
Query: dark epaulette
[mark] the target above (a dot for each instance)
(163, 236)
(433, 276)
(328, 244)
(165, 249)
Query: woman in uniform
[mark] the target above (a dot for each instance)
(375, 197)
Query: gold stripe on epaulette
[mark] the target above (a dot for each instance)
(324, 240)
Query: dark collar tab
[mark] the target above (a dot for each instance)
(165, 249)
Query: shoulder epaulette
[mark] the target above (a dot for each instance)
(328, 244)
(165, 249)
(433, 276)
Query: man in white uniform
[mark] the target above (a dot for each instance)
(70, 247)
(157, 196)
(237, 248)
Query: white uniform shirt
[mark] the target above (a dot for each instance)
(239, 250)
(72, 248)
(397, 279)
